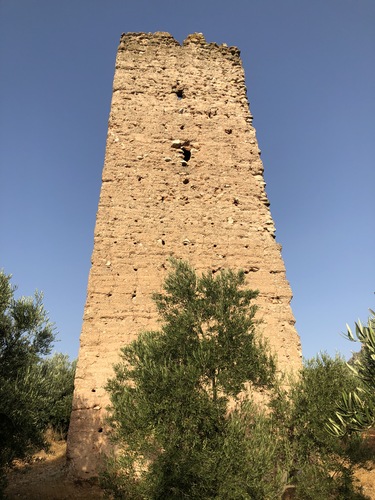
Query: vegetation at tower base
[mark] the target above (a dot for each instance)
(171, 393)
(356, 411)
(183, 426)
(318, 464)
(35, 392)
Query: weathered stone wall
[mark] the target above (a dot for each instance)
(182, 177)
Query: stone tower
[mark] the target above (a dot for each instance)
(182, 177)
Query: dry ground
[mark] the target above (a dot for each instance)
(366, 475)
(45, 478)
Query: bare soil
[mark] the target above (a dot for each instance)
(366, 475)
(45, 478)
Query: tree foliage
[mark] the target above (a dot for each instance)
(35, 392)
(54, 377)
(171, 392)
(26, 333)
(356, 410)
(183, 425)
(318, 464)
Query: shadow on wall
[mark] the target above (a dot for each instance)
(88, 441)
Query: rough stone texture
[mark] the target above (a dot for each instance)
(182, 177)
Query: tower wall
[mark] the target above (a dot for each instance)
(182, 177)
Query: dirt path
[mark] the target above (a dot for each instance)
(45, 478)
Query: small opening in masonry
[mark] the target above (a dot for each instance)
(185, 181)
(134, 294)
(236, 202)
(135, 269)
(93, 390)
(186, 153)
(182, 127)
(100, 429)
(179, 94)
(162, 242)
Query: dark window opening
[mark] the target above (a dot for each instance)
(186, 153)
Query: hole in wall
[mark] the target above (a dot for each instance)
(179, 93)
(186, 154)
(93, 390)
(100, 429)
(185, 181)
(182, 127)
(236, 202)
(252, 269)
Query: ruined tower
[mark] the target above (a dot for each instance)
(182, 177)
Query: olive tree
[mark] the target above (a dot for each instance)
(172, 390)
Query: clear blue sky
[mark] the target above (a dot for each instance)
(310, 76)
